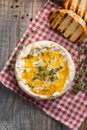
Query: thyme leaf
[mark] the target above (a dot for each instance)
(9, 68)
(81, 76)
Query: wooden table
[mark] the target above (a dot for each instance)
(16, 113)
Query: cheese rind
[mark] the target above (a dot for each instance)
(50, 64)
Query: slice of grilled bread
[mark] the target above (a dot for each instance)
(78, 6)
(72, 26)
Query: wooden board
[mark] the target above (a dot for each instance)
(16, 113)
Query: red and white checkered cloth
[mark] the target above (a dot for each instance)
(68, 109)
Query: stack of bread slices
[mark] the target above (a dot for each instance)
(71, 20)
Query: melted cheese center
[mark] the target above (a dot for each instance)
(45, 73)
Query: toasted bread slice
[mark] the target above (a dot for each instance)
(72, 26)
(78, 6)
(85, 17)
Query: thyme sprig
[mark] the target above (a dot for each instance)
(20, 47)
(43, 73)
(81, 75)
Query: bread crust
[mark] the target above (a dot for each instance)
(72, 26)
(78, 6)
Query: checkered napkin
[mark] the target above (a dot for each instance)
(68, 109)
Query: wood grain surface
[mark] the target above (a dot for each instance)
(15, 112)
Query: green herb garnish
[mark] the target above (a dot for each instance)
(56, 69)
(45, 90)
(20, 47)
(15, 54)
(26, 37)
(81, 76)
(33, 31)
(60, 67)
(85, 51)
(42, 53)
(44, 61)
(44, 74)
(52, 78)
(52, 72)
(24, 70)
(29, 56)
(38, 74)
(13, 61)
(40, 68)
(9, 68)
(34, 78)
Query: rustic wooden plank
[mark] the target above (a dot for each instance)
(12, 115)
(15, 112)
(84, 125)
(3, 35)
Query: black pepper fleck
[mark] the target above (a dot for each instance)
(27, 14)
(16, 15)
(31, 19)
(22, 17)
(16, 6)
(12, 6)
(16, 0)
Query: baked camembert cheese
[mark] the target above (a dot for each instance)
(44, 70)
